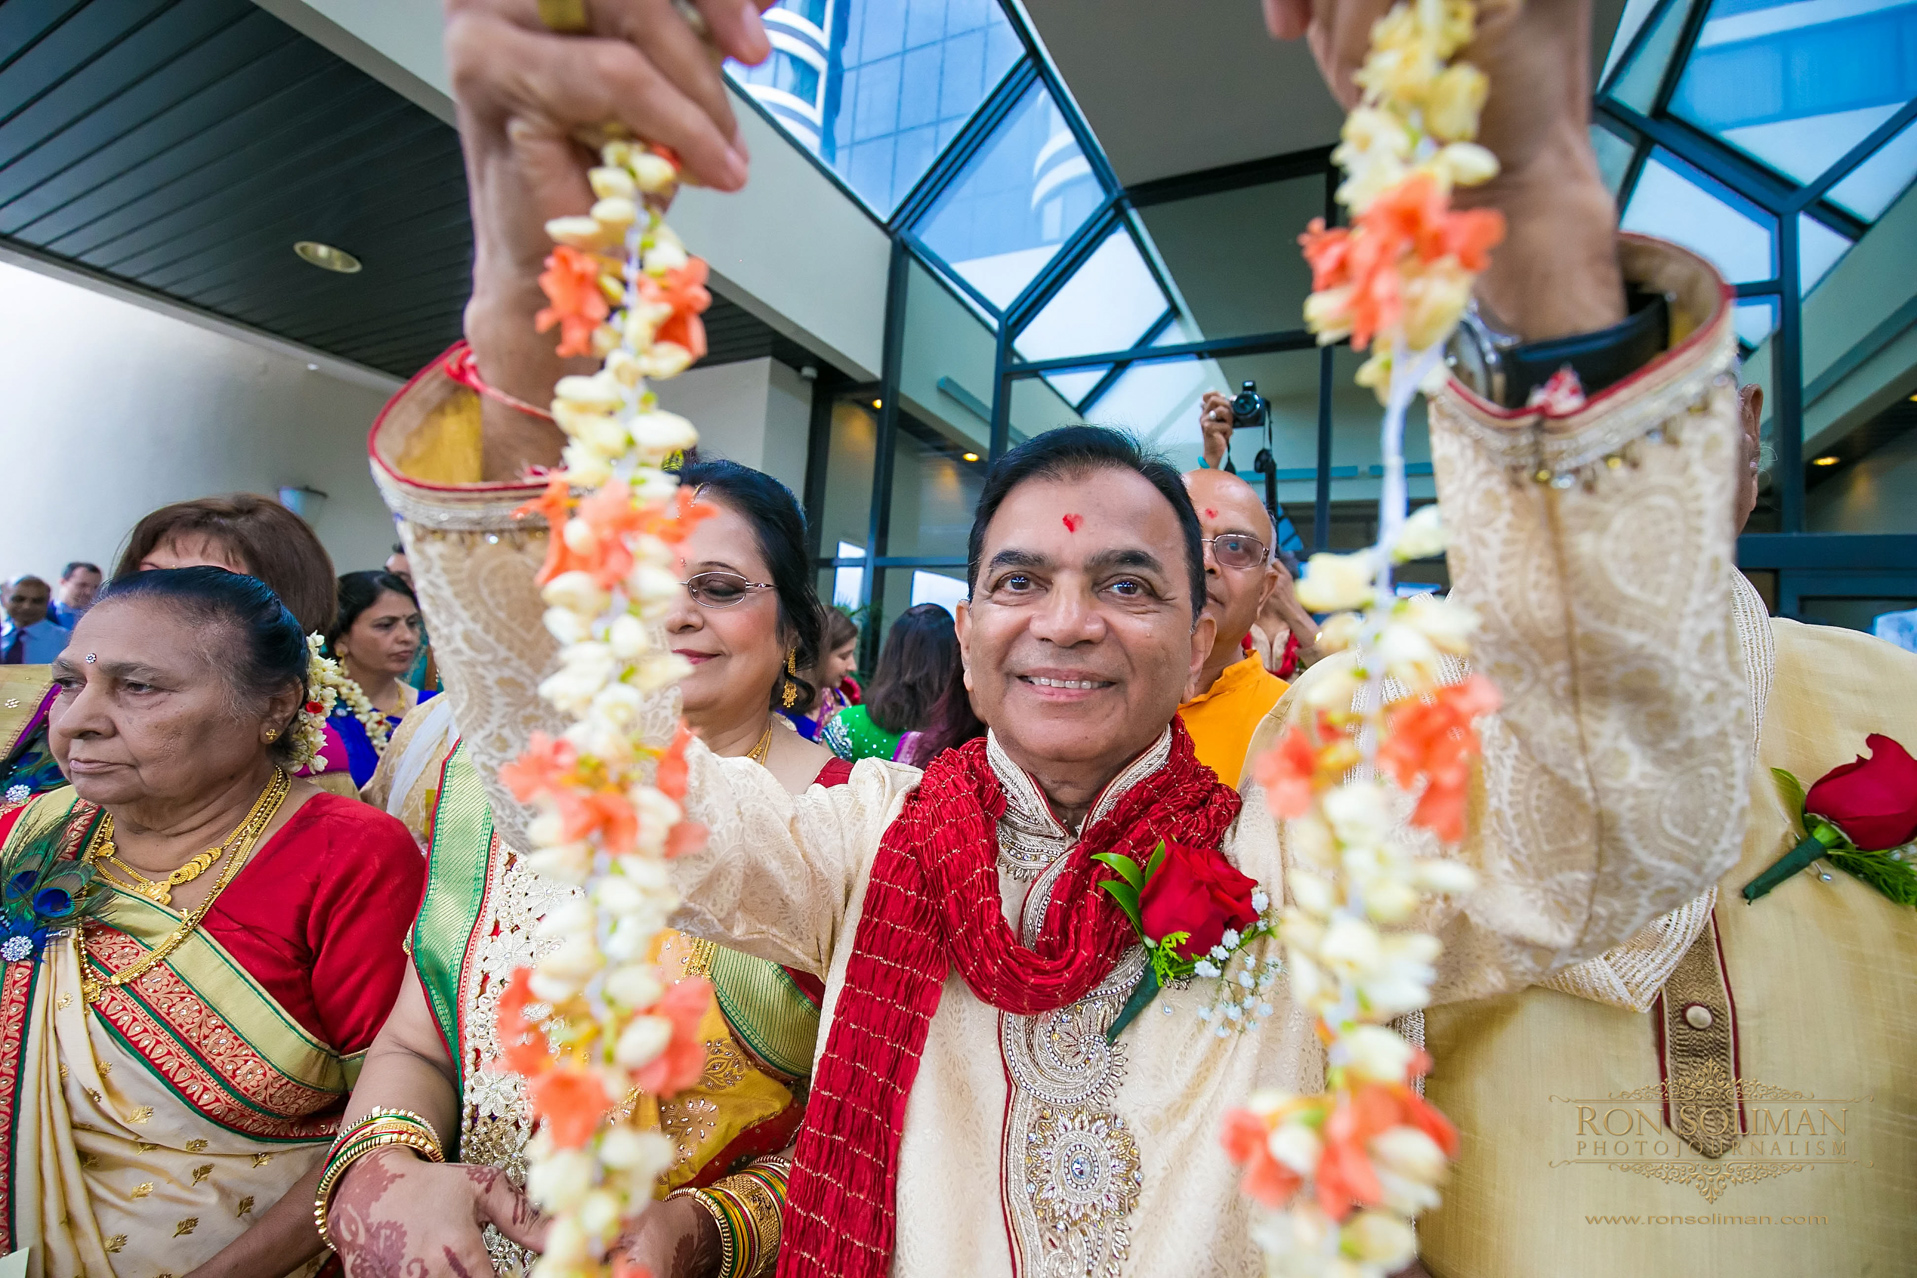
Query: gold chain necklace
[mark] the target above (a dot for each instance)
(160, 890)
(759, 752)
(94, 983)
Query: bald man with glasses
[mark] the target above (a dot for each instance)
(1234, 690)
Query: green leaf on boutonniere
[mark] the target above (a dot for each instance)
(1125, 890)
(1896, 879)
(1792, 791)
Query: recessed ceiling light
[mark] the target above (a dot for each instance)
(969, 456)
(328, 258)
(1825, 460)
(878, 403)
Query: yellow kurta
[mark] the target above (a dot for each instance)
(1222, 718)
(1560, 1176)
(1030, 1146)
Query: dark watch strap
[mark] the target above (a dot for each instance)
(1600, 359)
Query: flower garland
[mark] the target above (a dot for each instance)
(1343, 1173)
(327, 685)
(622, 287)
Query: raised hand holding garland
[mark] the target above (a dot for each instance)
(621, 286)
(1345, 1172)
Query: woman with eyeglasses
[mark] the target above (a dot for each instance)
(748, 622)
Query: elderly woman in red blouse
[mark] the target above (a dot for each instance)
(199, 946)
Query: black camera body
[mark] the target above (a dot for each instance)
(1249, 409)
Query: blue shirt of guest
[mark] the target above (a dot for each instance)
(34, 645)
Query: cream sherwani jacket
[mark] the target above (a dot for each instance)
(1597, 547)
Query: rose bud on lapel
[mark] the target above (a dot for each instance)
(1873, 801)
(1196, 890)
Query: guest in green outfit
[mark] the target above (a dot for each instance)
(915, 667)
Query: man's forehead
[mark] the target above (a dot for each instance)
(1075, 516)
(1227, 503)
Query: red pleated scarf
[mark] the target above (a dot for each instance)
(933, 904)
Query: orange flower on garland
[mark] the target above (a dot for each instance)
(1247, 1140)
(672, 776)
(522, 1044)
(1359, 267)
(570, 1103)
(545, 766)
(684, 1060)
(555, 507)
(571, 283)
(1434, 737)
(684, 290)
(1286, 773)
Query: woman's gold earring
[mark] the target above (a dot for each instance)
(272, 734)
(790, 696)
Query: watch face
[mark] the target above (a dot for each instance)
(1465, 353)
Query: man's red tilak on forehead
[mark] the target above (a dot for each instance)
(1072, 522)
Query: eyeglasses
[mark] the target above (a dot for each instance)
(1235, 550)
(720, 589)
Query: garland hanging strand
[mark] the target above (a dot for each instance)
(621, 286)
(1343, 1174)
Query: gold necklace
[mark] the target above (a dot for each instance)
(159, 890)
(93, 982)
(759, 752)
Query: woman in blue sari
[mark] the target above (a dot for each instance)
(375, 637)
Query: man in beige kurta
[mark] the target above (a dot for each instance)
(1614, 791)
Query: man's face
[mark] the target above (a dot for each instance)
(1228, 510)
(27, 600)
(78, 588)
(1078, 638)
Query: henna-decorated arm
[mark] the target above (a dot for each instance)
(396, 1213)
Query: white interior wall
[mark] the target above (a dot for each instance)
(112, 408)
(757, 412)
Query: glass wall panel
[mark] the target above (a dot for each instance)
(1015, 202)
(1638, 81)
(876, 88)
(1636, 13)
(1818, 248)
(907, 587)
(844, 520)
(1159, 403)
(1797, 83)
(1613, 156)
(1756, 317)
(1109, 304)
(1870, 187)
(1676, 202)
(1232, 257)
(945, 417)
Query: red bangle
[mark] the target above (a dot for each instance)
(464, 369)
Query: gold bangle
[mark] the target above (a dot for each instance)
(341, 1160)
(728, 1241)
(568, 17)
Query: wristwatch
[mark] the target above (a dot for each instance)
(1503, 369)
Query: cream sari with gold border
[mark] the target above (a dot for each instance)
(147, 1130)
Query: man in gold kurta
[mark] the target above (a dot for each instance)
(1776, 1036)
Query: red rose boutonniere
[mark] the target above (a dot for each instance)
(1195, 914)
(1861, 817)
